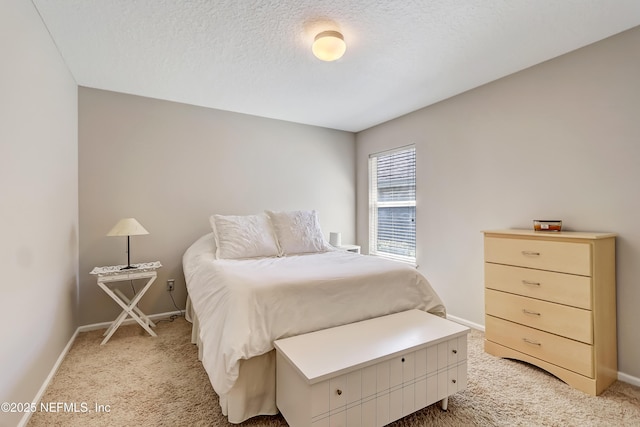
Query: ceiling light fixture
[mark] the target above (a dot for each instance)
(329, 46)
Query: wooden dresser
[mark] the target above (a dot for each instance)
(550, 300)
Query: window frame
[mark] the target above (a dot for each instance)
(375, 204)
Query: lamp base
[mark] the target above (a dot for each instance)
(128, 267)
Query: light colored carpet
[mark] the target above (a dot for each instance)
(149, 381)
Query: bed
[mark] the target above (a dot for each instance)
(240, 304)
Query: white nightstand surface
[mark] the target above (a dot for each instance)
(349, 248)
(109, 274)
(118, 269)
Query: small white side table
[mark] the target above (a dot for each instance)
(349, 248)
(109, 275)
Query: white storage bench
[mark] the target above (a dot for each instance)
(370, 373)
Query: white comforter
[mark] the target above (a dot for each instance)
(244, 305)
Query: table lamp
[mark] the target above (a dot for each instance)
(127, 227)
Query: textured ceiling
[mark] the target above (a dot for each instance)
(255, 57)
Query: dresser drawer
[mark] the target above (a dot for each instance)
(565, 257)
(562, 288)
(570, 322)
(572, 355)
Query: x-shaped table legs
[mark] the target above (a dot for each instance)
(129, 307)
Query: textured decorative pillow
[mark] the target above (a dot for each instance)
(298, 232)
(249, 236)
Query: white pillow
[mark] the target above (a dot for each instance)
(298, 232)
(249, 236)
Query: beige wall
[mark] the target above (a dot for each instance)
(560, 140)
(39, 196)
(172, 165)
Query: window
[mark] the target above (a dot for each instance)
(392, 204)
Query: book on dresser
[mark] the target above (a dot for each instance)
(550, 300)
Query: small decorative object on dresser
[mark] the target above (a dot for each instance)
(550, 300)
(547, 225)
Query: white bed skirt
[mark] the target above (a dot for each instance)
(254, 392)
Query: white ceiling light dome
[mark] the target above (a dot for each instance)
(329, 46)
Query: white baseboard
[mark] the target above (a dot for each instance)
(25, 418)
(105, 325)
(92, 327)
(466, 322)
(628, 379)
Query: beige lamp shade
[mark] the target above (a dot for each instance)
(127, 227)
(329, 46)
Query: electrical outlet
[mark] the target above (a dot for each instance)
(170, 285)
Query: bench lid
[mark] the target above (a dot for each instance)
(323, 354)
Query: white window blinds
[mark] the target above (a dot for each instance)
(392, 204)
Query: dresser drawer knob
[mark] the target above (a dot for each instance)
(339, 392)
(454, 351)
(403, 360)
(530, 283)
(453, 381)
(530, 253)
(528, 341)
(532, 313)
